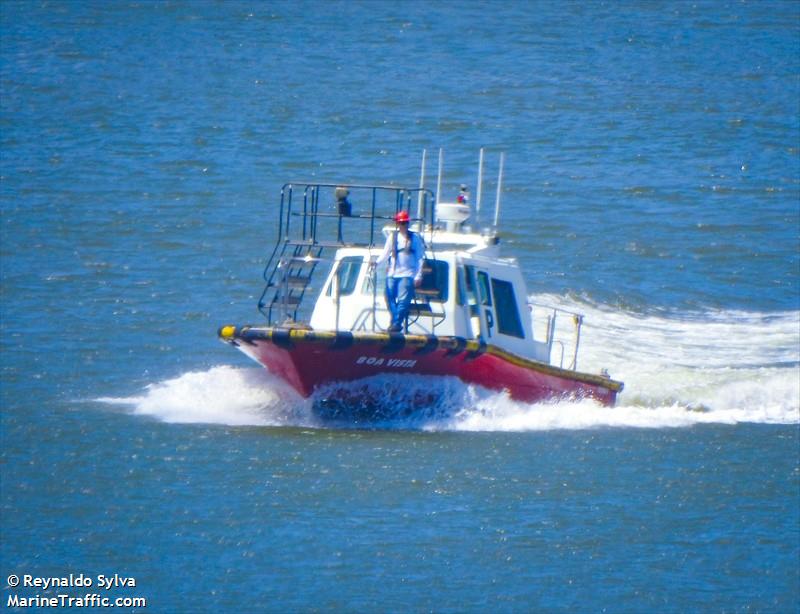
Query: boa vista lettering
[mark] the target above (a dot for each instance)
(377, 361)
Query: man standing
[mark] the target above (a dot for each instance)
(405, 251)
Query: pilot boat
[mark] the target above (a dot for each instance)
(327, 320)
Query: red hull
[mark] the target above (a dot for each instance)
(309, 359)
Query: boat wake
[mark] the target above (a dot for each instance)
(221, 395)
(679, 370)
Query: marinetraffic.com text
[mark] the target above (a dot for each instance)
(80, 598)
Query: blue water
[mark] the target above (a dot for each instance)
(652, 182)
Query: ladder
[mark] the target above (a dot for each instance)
(288, 281)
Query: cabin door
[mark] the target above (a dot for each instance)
(479, 299)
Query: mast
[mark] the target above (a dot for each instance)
(420, 212)
(439, 176)
(480, 187)
(499, 187)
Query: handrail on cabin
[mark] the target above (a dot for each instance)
(577, 319)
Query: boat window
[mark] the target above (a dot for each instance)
(379, 279)
(469, 288)
(434, 280)
(347, 275)
(508, 322)
(461, 290)
(483, 286)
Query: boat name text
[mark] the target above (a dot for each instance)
(375, 361)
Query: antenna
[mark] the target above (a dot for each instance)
(499, 187)
(480, 186)
(420, 213)
(439, 176)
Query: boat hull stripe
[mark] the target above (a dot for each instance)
(394, 342)
(282, 337)
(397, 341)
(343, 340)
(431, 345)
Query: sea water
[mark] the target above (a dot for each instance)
(652, 183)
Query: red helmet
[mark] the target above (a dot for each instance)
(402, 216)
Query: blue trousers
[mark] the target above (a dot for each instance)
(399, 294)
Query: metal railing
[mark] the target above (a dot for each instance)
(550, 332)
(316, 216)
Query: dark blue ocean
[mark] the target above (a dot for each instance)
(652, 183)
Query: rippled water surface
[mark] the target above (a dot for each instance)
(652, 182)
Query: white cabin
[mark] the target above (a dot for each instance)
(338, 231)
(467, 291)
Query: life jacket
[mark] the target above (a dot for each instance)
(411, 244)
